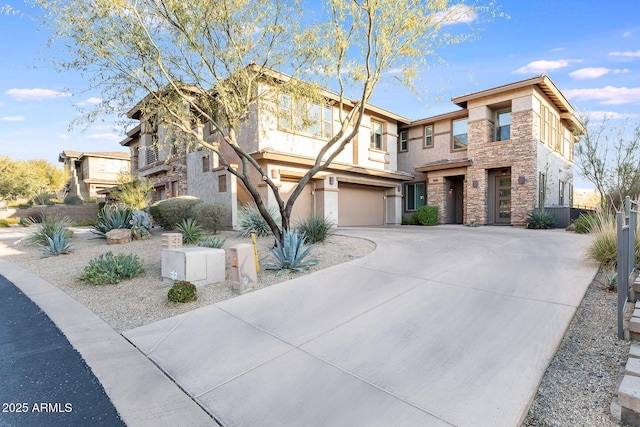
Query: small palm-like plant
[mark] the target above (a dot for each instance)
(57, 244)
(191, 231)
(112, 218)
(290, 255)
(316, 228)
(540, 220)
(47, 228)
(250, 220)
(212, 242)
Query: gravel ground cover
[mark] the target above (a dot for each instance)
(143, 300)
(581, 380)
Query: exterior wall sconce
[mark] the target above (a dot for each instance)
(399, 188)
(475, 183)
(521, 179)
(331, 180)
(274, 173)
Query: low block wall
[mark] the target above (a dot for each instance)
(76, 213)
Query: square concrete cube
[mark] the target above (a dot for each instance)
(199, 266)
(171, 240)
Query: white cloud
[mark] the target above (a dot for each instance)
(608, 95)
(457, 14)
(542, 66)
(104, 137)
(35, 94)
(91, 101)
(595, 72)
(557, 49)
(63, 136)
(12, 119)
(627, 54)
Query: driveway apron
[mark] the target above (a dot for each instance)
(445, 325)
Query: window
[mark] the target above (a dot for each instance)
(553, 140)
(222, 183)
(503, 125)
(428, 136)
(542, 189)
(305, 117)
(415, 196)
(102, 165)
(544, 120)
(403, 140)
(460, 134)
(561, 193)
(206, 164)
(376, 135)
(152, 153)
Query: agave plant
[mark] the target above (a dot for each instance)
(140, 224)
(46, 230)
(290, 255)
(540, 220)
(111, 218)
(57, 244)
(191, 231)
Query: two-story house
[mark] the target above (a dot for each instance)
(91, 172)
(361, 187)
(507, 151)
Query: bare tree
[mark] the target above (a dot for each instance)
(609, 157)
(203, 61)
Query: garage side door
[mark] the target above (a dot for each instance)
(360, 205)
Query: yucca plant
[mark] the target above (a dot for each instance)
(290, 255)
(250, 220)
(191, 231)
(46, 229)
(212, 242)
(540, 220)
(111, 218)
(316, 228)
(57, 244)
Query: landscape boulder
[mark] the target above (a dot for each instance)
(118, 236)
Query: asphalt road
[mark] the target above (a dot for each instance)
(43, 380)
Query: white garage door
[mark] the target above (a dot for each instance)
(360, 205)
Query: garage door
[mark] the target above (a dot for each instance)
(360, 205)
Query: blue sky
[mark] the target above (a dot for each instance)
(589, 48)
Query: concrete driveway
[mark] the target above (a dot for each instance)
(445, 325)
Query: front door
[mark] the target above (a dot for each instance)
(502, 205)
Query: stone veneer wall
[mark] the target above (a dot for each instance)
(437, 196)
(519, 154)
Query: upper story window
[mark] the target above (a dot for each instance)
(206, 164)
(503, 125)
(403, 140)
(305, 117)
(112, 165)
(428, 136)
(460, 134)
(376, 135)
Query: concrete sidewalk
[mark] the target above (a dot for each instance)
(443, 325)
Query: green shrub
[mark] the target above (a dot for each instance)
(4, 223)
(191, 231)
(212, 242)
(540, 220)
(603, 247)
(316, 228)
(73, 199)
(171, 212)
(290, 255)
(182, 291)
(45, 230)
(250, 220)
(111, 218)
(42, 199)
(133, 194)
(211, 216)
(585, 222)
(427, 215)
(57, 244)
(24, 221)
(111, 269)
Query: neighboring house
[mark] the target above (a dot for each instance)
(361, 187)
(91, 172)
(508, 151)
(483, 163)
